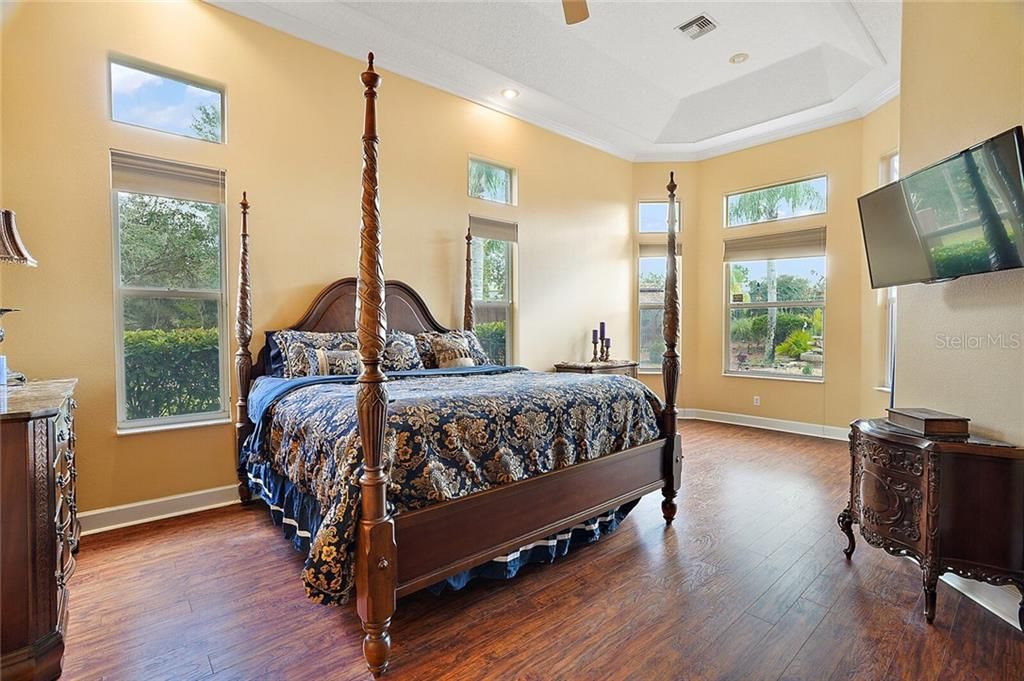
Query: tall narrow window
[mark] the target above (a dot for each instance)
(493, 248)
(652, 228)
(145, 97)
(776, 305)
(491, 182)
(779, 202)
(169, 286)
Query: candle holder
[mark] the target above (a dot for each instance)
(605, 347)
(596, 357)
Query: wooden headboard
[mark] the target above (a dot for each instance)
(334, 309)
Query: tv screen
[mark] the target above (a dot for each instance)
(963, 215)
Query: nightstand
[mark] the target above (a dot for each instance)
(625, 367)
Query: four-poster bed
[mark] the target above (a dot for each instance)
(430, 540)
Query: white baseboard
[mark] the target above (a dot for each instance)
(798, 427)
(113, 517)
(1001, 600)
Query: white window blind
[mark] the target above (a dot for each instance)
(803, 243)
(158, 177)
(488, 228)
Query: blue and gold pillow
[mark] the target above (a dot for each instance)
(424, 344)
(294, 346)
(401, 353)
(333, 362)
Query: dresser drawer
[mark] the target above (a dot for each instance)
(890, 495)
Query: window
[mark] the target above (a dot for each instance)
(492, 285)
(653, 217)
(889, 169)
(776, 317)
(780, 202)
(652, 224)
(491, 182)
(171, 339)
(147, 98)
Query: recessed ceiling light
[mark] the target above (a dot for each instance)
(509, 93)
(739, 58)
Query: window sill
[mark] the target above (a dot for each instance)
(216, 421)
(649, 371)
(793, 379)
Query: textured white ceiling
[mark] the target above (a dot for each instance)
(625, 80)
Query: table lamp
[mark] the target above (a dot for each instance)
(12, 249)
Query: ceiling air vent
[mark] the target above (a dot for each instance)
(698, 26)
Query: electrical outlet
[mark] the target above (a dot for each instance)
(757, 400)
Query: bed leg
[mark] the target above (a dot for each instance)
(674, 465)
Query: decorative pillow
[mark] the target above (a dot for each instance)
(334, 362)
(400, 353)
(294, 348)
(425, 340)
(451, 351)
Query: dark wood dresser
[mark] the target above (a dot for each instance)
(612, 366)
(953, 505)
(39, 528)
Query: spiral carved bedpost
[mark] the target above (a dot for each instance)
(468, 323)
(243, 358)
(672, 464)
(375, 545)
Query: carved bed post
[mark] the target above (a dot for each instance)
(375, 543)
(468, 323)
(243, 358)
(672, 464)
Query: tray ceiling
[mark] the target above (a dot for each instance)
(625, 80)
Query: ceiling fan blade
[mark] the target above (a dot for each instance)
(575, 11)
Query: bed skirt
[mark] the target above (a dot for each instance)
(299, 517)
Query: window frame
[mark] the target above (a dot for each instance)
(888, 172)
(513, 182)
(508, 305)
(764, 305)
(121, 293)
(641, 240)
(172, 74)
(738, 192)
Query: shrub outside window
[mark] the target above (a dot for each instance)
(492, 296)
(150, 99)
(779, 202)
(776, 318)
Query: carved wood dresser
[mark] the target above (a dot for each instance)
(39, 527)
(952, 505)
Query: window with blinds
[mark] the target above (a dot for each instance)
(776, 305)
(171, 318)
(492, 259)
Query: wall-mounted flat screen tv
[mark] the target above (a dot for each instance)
(963, 215)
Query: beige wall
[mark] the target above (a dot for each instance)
(880, 137)
(294, 124)
(952, 98)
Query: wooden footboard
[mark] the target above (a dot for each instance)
(442, 540)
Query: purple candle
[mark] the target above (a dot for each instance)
(593, 336)
(602, 329)
(608, 342)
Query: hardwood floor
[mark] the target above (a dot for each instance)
(749, 584)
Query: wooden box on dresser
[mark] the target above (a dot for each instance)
(39, 528)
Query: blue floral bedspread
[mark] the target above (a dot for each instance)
(450, 434)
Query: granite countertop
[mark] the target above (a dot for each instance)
(35, 399)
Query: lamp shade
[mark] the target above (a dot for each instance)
(11, 247)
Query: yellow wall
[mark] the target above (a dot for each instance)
(294, 124)
(952, 98)
(880, 136)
